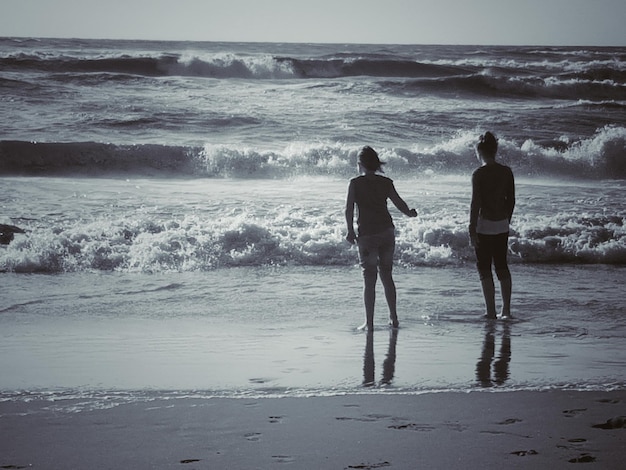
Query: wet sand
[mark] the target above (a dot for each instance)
(523, 429)
(280, 331)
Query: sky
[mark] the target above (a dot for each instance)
(485, 22)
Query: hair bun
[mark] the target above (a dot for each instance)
(488, 143)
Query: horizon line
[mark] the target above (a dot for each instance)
(468, 44)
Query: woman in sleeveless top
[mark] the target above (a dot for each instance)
(376, 232)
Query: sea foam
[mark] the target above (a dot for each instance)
(601, 156)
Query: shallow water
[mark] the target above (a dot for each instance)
(183, 204)
(278, 332)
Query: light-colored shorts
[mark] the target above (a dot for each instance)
(377, 250)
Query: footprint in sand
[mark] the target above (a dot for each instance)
(283, 458)
(583, 458)
(253, 436)
(523, 453)
(609, 401)
(364, 419)
(613, 423)
(370, 466)
(510, 421)
(575, 412)
(576, 441)
(275, 419)
(413, 427)
(190, 461)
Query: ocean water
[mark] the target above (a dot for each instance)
(183, 207)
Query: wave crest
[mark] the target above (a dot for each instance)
(284, 236)
(601, 156)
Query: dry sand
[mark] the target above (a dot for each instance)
(483, 430)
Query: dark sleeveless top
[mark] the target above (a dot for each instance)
(370, 194)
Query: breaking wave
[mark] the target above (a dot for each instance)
(601, 156)
(285, 237)
(601, 79)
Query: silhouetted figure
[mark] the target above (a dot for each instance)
(493, 201)
(486, 361)
(501, 365)
(483, 367)
(369, 365)
(389, 364)
(376, 233)
(7, 233)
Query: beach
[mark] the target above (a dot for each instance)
(181, 293)
(442, 430)
(119, 376)
(247, 365)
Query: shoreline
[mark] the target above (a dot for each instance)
(275, 331)
(522, 429)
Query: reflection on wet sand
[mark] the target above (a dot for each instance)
(389, 364)
(499, 374)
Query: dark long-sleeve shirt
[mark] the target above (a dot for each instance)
(493, 194)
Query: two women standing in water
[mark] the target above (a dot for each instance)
(491, 209)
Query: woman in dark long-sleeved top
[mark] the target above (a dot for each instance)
(491, 210)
